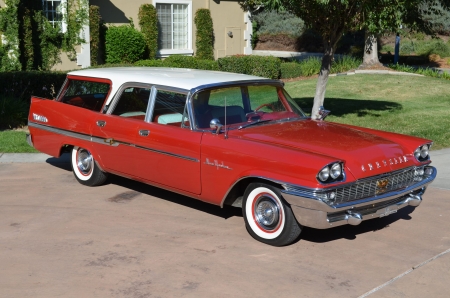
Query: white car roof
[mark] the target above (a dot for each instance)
(174, 77)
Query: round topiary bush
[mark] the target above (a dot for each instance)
(124, 44)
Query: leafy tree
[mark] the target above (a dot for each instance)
(332, 18)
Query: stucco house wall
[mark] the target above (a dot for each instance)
(232, 27)
(227, 16)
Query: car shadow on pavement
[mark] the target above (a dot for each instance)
(351, 232)
(226, 212)
(308, 234)
(63, 162)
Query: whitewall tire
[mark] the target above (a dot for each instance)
(267, 218)
(85, 168)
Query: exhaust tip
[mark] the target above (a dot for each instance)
(354, 219)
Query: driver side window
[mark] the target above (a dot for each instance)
(210, 104)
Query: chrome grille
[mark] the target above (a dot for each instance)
(368, 187)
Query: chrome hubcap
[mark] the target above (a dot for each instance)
(267, 213)
(84, 161)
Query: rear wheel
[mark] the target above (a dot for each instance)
(85, 168)
(267, 218)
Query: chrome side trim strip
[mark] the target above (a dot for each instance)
(168, 153)
(107, 142)
(63, 132)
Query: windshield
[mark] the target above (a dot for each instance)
(244, 104)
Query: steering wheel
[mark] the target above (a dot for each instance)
(264, 105)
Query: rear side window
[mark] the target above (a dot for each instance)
(85, 94)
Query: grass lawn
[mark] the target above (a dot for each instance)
(418, 106)
(13, 141)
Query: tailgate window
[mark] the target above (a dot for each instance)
(85, 94)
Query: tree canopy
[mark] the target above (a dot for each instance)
(332, 18)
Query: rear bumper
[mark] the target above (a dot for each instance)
(315, 213)
(29, 140)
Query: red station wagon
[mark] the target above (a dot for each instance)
(230, 139)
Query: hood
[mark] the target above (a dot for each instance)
(364, 154)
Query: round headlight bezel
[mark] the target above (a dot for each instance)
(332, 172)
(422, 153)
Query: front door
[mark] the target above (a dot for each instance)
(169, 151)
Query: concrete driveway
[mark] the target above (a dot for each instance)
(126, 239)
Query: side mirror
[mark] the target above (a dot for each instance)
(323, 113)
(216, 125)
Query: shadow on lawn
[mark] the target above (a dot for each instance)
(342, 106)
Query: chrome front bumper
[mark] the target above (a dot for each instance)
(314, 212)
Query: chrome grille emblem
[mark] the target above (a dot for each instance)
(382, 185)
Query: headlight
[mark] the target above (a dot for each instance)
(422, 153)
(336, 171)
(324, 174)
(331, 173)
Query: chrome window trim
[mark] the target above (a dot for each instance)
(151, 105)
(61, 89)
(200, 88)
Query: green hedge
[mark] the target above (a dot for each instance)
(179, 61)
(124, 44)
(17, 88)
(23, 84)
(290, 70)
(263, 66)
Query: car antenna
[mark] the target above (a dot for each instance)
(226, 128)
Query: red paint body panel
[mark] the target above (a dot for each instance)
(206, 165)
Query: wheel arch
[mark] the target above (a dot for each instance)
(236, 191)
(67, 148)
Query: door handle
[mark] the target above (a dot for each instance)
(144, 133)
(101, 123)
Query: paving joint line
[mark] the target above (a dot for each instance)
(404, 273)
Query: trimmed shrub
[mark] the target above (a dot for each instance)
(181, 61)
(150, 63)
(94, 32)
(205, 34)
(148, 21)
(310, 66)
(178, 61)
(263, 66)
(283, 22)
(290, 70)
(207, 64)
(124, 44)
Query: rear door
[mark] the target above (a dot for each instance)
(116, 131)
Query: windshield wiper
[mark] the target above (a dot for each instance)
(254, 123)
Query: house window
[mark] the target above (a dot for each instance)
(175, 27)
(52, 11)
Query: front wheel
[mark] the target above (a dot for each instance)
(85, 168)
(267, 218)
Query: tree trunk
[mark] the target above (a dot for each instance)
(370, 50)
(322, 81)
